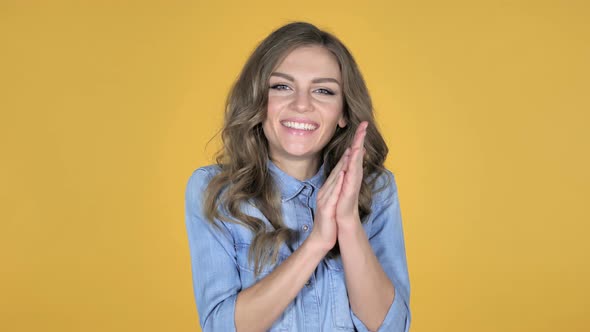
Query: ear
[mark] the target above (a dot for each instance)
(342, 122)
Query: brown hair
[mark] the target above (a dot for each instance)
(244, 176)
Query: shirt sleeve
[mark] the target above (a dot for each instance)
(216, 280)
(387, 240)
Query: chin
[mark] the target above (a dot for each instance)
(298, 153)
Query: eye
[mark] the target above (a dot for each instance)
(279, 87)
(325, 92)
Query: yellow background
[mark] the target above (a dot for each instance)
(107, 106)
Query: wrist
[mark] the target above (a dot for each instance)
(317, 245)
(349, 225)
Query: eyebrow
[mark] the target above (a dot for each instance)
(315, 80)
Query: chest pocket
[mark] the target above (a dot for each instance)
(340, 306)
(285, 320)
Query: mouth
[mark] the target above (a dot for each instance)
(298, 125)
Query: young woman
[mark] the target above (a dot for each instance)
(298, 227)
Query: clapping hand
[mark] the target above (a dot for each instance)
(337, 200)
(347, 211)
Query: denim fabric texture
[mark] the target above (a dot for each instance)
(220, 269)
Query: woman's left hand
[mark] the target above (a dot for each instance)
(347, 207)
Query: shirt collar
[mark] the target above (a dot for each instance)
(290, 186)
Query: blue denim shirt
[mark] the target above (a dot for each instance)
(220, 269)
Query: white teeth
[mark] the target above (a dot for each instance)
(299, 125)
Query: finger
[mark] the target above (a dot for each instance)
(357, 145)
(343, 162)
(328, 188)
(356, 160)
(339, 166)
(336, 189)
(346, 164)
(359, 135)
(352, 179)
(357, 153)
(354, 170)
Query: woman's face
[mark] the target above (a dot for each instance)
(304, 104)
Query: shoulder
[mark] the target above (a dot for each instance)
(204, 173)
(199, 179)
(385, 188)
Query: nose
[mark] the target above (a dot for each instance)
(302, 102)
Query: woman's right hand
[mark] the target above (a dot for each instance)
(325, 230)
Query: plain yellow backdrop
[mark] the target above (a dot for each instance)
(107, 107)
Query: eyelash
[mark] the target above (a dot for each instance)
(327, 92)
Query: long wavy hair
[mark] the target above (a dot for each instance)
(244, 177)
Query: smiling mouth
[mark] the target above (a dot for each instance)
(299, 125)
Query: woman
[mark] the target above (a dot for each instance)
(298, 226)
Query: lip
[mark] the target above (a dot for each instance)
(301, 120)
(299, 132)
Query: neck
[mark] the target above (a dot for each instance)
(301, 169)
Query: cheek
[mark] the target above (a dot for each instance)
(271, 113)
(269, 119)
(268, 132)
(335, 115)
(272, 108)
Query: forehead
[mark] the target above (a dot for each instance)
(310, 61)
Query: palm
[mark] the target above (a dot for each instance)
(347, 206)
(337, 200)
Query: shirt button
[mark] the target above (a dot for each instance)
(305, 228)
(308, 283)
